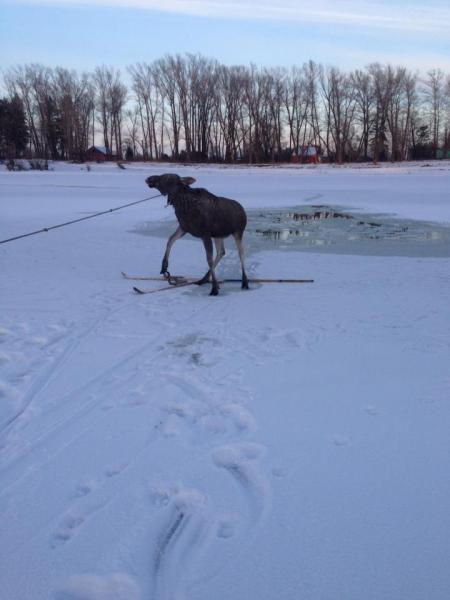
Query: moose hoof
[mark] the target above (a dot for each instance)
(244, 285)
(201, 281)
(214, 292)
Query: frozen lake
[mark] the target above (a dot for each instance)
(287, 442)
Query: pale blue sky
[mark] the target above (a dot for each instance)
(85, 33)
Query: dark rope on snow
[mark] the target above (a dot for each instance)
(103, 212)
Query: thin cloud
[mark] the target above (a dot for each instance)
(380, 15)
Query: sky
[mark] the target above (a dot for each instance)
(83, 34)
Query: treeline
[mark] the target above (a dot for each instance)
(195, 109)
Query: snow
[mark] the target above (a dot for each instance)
(286, 442)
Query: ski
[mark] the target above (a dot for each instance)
(260, 280)
(189, 282)
(181, 280)
(172, 278)
(162, 289)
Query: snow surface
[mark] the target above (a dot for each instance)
(289, 442)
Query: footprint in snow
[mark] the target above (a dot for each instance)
(226, 527)
(66, 530)
(371, 410)
(341, 440)
(84, 488)
(240, 417)
(199, 350)
(242, 462)
(72, 521)
(181, 543)
(115, 470)
(82, 509)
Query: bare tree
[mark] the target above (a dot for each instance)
(145, 87)
(166, 69)
(296, 107)
(434, 98)
(195, 108)
(312, 73)
(111, 98)
(364, 98)
(18, 83)
(75, 100)
(229, 99)
(339, 98)
(133, 130)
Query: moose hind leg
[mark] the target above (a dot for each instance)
(240, 248)
(207, 242)
(220, 251)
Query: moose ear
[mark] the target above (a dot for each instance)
(188, 180)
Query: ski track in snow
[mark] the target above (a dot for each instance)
(192, 388)
(172, 379)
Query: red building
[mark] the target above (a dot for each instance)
(306, 154)
(97, 153)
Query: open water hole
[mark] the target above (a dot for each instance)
(330, 229)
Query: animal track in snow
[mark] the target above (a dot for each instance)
(204, 420)
(226, 527)
(113, 471)
(197, 349)
(371, 410)
(242, 419)
(341, 440)
(67, 529)
(242, 462)
(31, 352)
(272, 343)
(82, 508)
(84, 488)
(278, 472)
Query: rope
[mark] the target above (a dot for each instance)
(103, 212)
(174, 279)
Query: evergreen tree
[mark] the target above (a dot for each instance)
(13, 128)
(54, 129)
(129, 153)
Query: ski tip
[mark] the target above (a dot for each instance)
(137, 290)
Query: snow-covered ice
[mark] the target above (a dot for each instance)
(288, 442)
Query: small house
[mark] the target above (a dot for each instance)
(306, 154)
(97, 153)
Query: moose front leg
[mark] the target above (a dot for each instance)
(170, 242)
(220, 253)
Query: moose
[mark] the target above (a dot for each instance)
(204, 216)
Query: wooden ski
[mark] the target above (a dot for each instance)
(181, 280)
